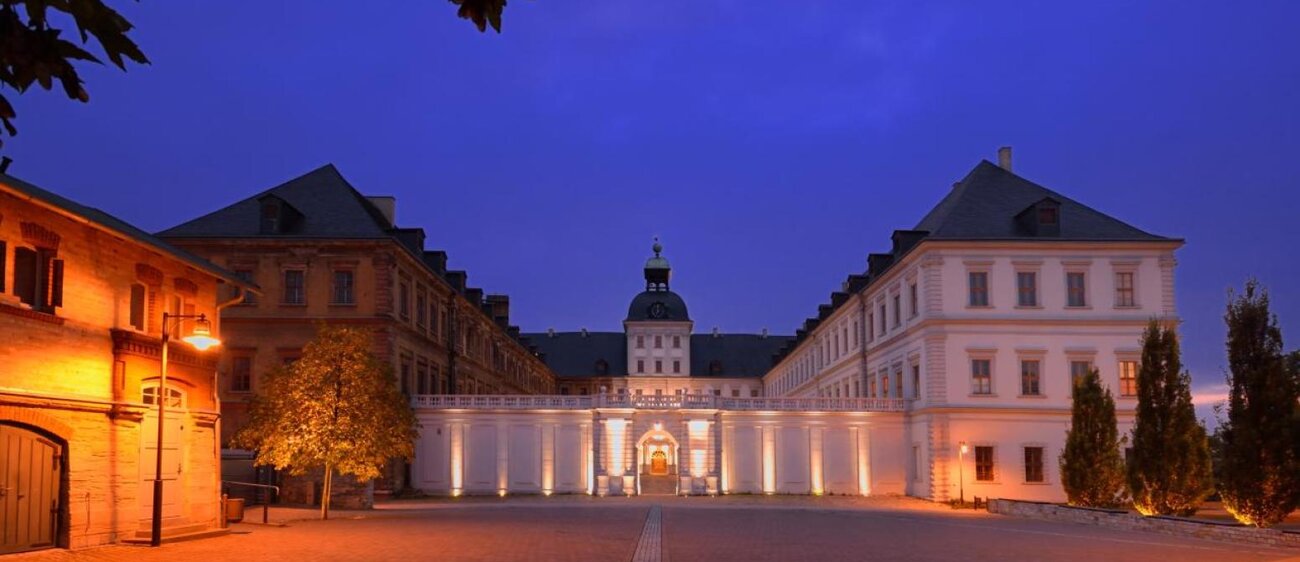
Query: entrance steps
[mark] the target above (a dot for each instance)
(658, 485)
(176, 533)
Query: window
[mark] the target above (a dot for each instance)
(174, 397)
(421, 311)
(38, 279)
(1075, 293)
(342, 292)
(717, 392)
(1029, 378)
(1034, 464)
(422, 377)
(294, 287)
(916, 381)
(735, 393)
(1124, 291)
(898, 382)
(677, 342)
(406, 375)
(913, 300)
(884, 386)
(404, 301)
(1027, 288)
(640, 365)
(984, 464)
(1079, 371)
(677, 366)
(241, 373)
(979, 288)
(883, 328)
(1128, 378)
(753, 393)
(137, 306)
(640, 342)
(4, 256)
(659, 342)
(659, 366)
(898, 311)
(246, 275)
(1047, 215)
(871, 327)
(981, 376)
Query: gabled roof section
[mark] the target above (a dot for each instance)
(329, 205)
(114, 224)
(984, 206)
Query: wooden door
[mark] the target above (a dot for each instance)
(658, 463)
(172, 455)
(30, 467)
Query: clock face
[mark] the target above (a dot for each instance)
(658, 310)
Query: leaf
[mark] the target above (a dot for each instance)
(482, 12)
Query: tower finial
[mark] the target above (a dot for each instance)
(657, 247)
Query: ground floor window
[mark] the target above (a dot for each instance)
(984, 463)
(1034, 464)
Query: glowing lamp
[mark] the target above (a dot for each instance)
(201, 338)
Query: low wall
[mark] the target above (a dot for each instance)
(1117, 519)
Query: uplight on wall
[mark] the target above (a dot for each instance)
(616, 431)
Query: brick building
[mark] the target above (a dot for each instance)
(82, 296)
(326, 253)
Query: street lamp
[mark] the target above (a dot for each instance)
(961, 472)
(201, 339)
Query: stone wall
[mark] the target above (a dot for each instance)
(1175, 526)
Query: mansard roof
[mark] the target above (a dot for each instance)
(576, 354)
(984, 206)
(329, 206)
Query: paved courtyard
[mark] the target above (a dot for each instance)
(690, 529)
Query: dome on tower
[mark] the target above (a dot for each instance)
(657, 302)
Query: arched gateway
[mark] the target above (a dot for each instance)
(625, 445)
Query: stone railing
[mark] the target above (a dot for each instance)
(655, 402)
(1118, 519)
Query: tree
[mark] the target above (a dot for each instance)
(482, 12)
(32, 50)
(337, 408)
(1261, 474)
(1092, 470)
(1169, 471)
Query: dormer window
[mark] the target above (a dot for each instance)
(275, 216)
(602, 367)
(270, 223)
(715, 367)
(1043, 218)
(1047, 215)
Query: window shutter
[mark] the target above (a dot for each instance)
(4, 255)
(56, 283)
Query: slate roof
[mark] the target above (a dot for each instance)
(571, 354)
(122, 227)
(984, 205)
(674, 307)
(330, 206)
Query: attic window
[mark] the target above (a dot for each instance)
(270, 222)
(715, 367)
(1047, 215)
(602, 367)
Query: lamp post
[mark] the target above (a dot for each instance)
(201, 339)
(961, 472)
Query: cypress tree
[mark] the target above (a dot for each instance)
(1169, 471)
(1260, 475)
(1092, 471)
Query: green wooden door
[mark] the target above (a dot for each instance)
(29, 490)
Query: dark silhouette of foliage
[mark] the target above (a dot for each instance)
(482, 12)
(34, 50)
(1169, 470)
(1092, 470)
(1260, 477)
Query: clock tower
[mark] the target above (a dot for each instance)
(658, 327)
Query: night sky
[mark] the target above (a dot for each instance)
(771, 145)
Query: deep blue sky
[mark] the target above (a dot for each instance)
(771, 145)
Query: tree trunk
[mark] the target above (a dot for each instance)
(327, 491)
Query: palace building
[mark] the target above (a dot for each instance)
(658, 354)
(82, 303)
(324, 252)
(943, 370)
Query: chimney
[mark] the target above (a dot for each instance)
(387, 205)
(1004, 158)
(584, 332)
(764, 334)
(716, 333)
(500, 308)
(550, 332)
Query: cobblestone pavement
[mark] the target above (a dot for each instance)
(692, 529)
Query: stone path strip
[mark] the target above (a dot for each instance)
(650, 547)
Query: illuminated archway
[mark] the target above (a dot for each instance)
(656, 455)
